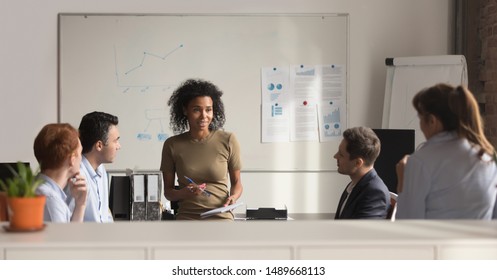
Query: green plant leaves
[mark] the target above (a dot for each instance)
(23, 184)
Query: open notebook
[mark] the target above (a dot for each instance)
(220, 210)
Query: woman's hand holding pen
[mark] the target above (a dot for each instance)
(189, 191)
(197, 187)
(77, 183)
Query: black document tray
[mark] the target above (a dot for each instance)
(266, 214)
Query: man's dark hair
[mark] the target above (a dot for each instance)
(363, 143)
(95, 127)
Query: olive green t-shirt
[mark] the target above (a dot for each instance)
(207, 161)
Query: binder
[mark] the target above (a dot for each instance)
(138, 204)
(153, 202)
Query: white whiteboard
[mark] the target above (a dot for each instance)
(128, 65)
(406, 76)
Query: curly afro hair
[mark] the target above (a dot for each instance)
(188, 90)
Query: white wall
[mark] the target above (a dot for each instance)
(378, 29)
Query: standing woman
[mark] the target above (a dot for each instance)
(453, 175)
(201, 151)
(58, 151)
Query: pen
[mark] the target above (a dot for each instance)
(204, 192)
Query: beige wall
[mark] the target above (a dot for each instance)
(378, 29)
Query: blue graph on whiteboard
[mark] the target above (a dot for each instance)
(148, 54)
(128, 85)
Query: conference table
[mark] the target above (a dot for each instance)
(303, 237)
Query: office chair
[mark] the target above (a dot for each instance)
(120, 198)
(171, 215)
(393, 207)
(174, 204)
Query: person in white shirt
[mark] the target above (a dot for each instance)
(454, 174)
(100, 140)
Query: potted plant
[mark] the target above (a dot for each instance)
(24, 205)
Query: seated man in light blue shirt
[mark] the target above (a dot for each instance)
(99, 137)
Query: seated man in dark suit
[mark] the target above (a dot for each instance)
(366, 196)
